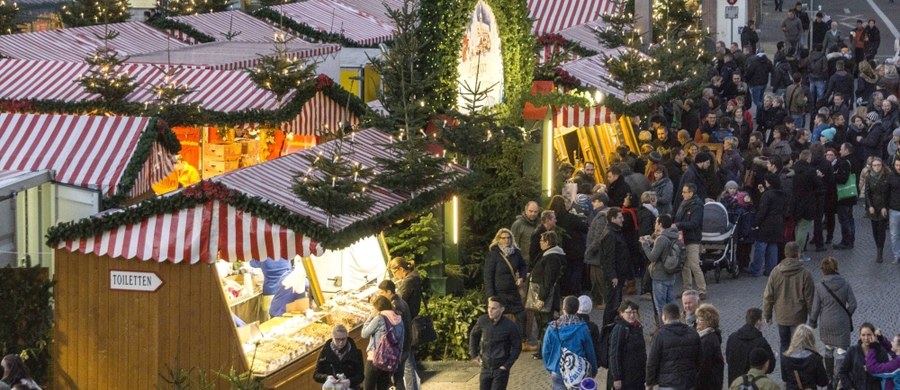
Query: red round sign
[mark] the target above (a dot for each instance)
(732, 2)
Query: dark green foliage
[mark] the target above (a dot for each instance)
(9, 10)
(191, 7)
(619, 29)
(80, 13)
(105, 77)
(26, 317)
(280, 73)
(453, 318)
(413, 239)
(629, 71)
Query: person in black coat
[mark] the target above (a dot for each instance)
(842, 170)
(548, 223)
(745, 340)
(547, 273)
(769, 225)
(801, 362)
(852, 372)
(823, 197)
(689, 222)
(340, 355)
(616, 187)
(409, 283)
(574, 239)
(504, 272)
(712, 365)
(694, 175)
(615, 261)
(674, 356)
(627, 350)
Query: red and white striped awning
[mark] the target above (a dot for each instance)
(216, 90)
(319, 113)
(200, 234)
(375, 8)
(551, 16)
(246, 27)
(85, 151)
(232, 55)
(74, 44)
(591, 71)
(339, 18)
(585, 35)
(569, 116)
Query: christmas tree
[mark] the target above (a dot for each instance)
(629, 71)
(468, 133)
(618, 28)
(92, 12)
(8, 13)
(411, 166)
(105, 76)
(334, 182)
(191, 7)
(281, 73)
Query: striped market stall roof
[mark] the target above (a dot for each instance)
(74, 44)
(321, 112)
(216, 90)
(246, 27)
(375, 8)
(551, 16)
(251, 213)
(232, 55)
(86, 151)
(199, 234)
(591, 71)
(585, 35)
(336, 17)
(569, 116)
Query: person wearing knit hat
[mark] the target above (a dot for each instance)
(731, 185)
(702, 158)
(828, 135)
(585, 305)
(872, 116)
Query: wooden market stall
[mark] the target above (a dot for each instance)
(137, 291)
(225, 96)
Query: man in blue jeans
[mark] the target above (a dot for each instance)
(789, 293)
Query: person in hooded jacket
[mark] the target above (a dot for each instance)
(657, 247)
(340, 356)
(744, 341)
(569, 332)
(380, 320)
(664, 189)
(834, 299)
(852, 373)
(712, 365)
(627, 350)
(873, 366)
(801, 365)
(674, 357)
(871, 142)
(757, 75)
(769, 225)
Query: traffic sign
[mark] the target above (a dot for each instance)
(134, 281)
(732, 2)
(731, 11)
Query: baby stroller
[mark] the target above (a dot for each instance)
(717, 248)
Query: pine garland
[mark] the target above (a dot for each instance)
(156, 131)
(166, 24)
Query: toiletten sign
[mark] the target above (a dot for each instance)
(480, 59)
(134, 281)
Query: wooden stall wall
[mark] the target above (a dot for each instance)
(106, 339)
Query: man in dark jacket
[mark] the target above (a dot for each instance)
(494, 344)
(749, 37)
(758, 77)
(840, 82)
(599, 202)
(818, 73)
(614, 260)
(806, 184)
(893, 203)
(584, 178)
(769, 225)
(744, 340)
(548, 224)
(673, 162)
(694, 175)
(524, 227)
(340, 356)
(616, 187)
(689, 221)
(674, 357)
(842, 170)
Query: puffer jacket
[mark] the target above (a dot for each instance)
(627, 354)
(712, 366)
(500, 281)
(657, 253)
(738, 347)
(829, 315)
(809, 365)
(790, 291)
(674, 357)
(689, 219)
(852, 372)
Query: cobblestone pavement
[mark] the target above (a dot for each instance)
(874, 286)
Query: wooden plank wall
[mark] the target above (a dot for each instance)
(107, 339)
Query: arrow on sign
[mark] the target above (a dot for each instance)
(134, 281)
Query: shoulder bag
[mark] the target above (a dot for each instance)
(532, 297)
(843, 305)
(522, 288)
(423, 328)
(848, 189)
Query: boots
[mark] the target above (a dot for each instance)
(829, 368)
(878, 258)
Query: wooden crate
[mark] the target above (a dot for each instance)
(249, 146)
(222, 152)
(215, 167)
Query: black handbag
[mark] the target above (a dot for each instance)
(423, 328)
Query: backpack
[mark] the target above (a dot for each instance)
(749, 384)
(674, 260)
(387, 353)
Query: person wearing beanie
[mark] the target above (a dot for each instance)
(769, 225)
(871, 142)
(585, 305)
(826, 138)
(756, 376)
(893, 148)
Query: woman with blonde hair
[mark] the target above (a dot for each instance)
(801, 365)
(712, 365)
(505, 273)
